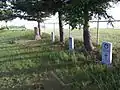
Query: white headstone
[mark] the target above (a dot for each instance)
(53, 36)
(71, 43)
(107, 53)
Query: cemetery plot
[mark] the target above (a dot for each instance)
(26, 64)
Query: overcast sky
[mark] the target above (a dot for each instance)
(29, 24)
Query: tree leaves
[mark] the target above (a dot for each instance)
(6, 13)
(74, 13)
(32, 9)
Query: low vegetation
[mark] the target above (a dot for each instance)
(24, 62)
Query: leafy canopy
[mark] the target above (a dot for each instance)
(79, 11)
(30, 9)
(6, 12)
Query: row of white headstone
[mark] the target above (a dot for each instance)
(106, 49)
(71, 41)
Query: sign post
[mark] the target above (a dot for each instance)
(107, 53)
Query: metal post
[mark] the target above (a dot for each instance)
(44, 27)
(81, 30)
(69, 31)
(54, 27)
(97, 41)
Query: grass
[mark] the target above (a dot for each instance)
(110, 35)
(25, 62)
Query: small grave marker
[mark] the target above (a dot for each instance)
(106, 53)
(37, 34)
(53, 36)
(71, 43)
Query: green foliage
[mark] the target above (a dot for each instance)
(17, 28)
(2, 28)
(75, 12)
(6, 12)
(6, 15)
(33, 11)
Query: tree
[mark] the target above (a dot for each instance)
(82, 11)
(56, 6)
(6, 13)
(34, 8)
(31, 10)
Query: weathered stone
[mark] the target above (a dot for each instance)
(37, 35)
(106, 53)
(71, 43)
(53, 36)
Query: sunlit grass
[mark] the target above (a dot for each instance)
(24, 61)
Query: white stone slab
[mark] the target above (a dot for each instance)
(53, 36)
(71, 43)
(106, 52)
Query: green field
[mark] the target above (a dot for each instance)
(25, 63)
(109, 35)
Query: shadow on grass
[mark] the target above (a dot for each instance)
(25, 87)
(42, 68)
(40, 49)
(20, 56)
(20, 47)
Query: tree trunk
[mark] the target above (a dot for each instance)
(60, 27)
(39, 28)
(86, 33)
(37, 35)
(6, 25)
(37, 32)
